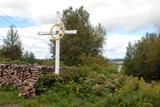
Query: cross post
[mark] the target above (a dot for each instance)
(57, 31)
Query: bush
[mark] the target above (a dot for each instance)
(97, 89)
(97, 60)
(112, 69)
(98, 64)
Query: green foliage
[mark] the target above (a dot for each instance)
(29, 57)
(96, 63)
(9, 61)
(143, 58)
(112, 68)
(44, 62)
(90, 60)
(47, 62)
(12, 47)
(96, 89)
(133, 93)
(87, 42)
(87, 88)
(11, 51)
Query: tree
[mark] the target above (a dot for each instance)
(88, 41)
(29, 57)
(12, 47)
(1, 52)
(128, 62)
(143, 58)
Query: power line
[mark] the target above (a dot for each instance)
(24, 37)
(7, 20)
(35, 39)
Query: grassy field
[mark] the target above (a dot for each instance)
(10, 98)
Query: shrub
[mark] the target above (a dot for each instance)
(98, 64)
(97, 89)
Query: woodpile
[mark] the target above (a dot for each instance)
(26, 89)
(25, 76)
(22, 76)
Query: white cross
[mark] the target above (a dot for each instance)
(57, 32)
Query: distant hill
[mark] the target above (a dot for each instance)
(116, 60)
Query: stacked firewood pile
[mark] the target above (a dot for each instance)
(22, 76)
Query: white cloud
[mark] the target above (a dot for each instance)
(130, 14)
(15, 8)
(115, 45)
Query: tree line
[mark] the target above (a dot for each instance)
(143, 57)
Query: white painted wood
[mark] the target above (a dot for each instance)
(57, 56)
(72, 32)
(57, 50)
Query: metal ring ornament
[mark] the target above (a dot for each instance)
(61, 29)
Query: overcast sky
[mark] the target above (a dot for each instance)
(124, 21)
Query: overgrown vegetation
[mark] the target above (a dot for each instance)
(88, 87)
(143, 58)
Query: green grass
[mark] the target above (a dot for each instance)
(7, 97)
(9, 61)
(10, 96)
(60, 99)
(47, 100)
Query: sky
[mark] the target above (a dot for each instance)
(124, 21)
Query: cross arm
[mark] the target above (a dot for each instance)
(70, 32)
(54, 32)
(43, 33)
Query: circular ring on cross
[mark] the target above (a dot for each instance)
(59, 32)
